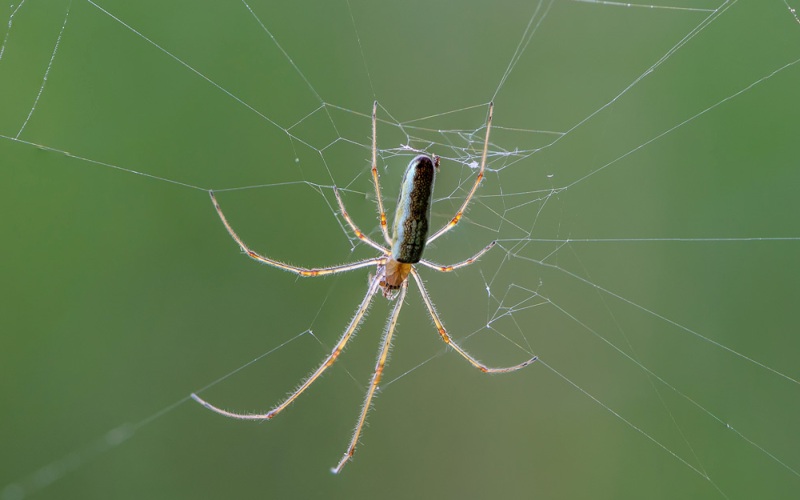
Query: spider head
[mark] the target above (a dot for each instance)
(394, 274)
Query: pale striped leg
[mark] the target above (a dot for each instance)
(453, 267)
(376, 378)
(449, 341)
(302, 271)
(478, 179)
(347, 335)
(359, 234)
(381, 211)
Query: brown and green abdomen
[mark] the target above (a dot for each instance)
(412, 216)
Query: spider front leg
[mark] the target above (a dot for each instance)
(359, 234)
(381, 211)
(449, 341)
(478, 179)
(453, 267)
(302, 271)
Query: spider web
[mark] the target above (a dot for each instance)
(641, 186)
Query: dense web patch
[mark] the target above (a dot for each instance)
(640, 182)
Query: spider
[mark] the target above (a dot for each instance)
(394, 265)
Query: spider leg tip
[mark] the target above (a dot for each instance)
(199, 400)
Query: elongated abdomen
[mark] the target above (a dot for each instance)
(413, 211)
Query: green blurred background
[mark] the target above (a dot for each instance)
(122, 293)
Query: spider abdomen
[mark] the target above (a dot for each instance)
(411, 219)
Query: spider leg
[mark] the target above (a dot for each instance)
(453, 267)
(376, 378)
(347, 335)
(302, 271)
(363, 237)
(449, 341)
(478, 179)
(375, 181)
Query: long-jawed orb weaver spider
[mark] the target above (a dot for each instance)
(410, 230)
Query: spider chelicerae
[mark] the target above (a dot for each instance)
(394, 265)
